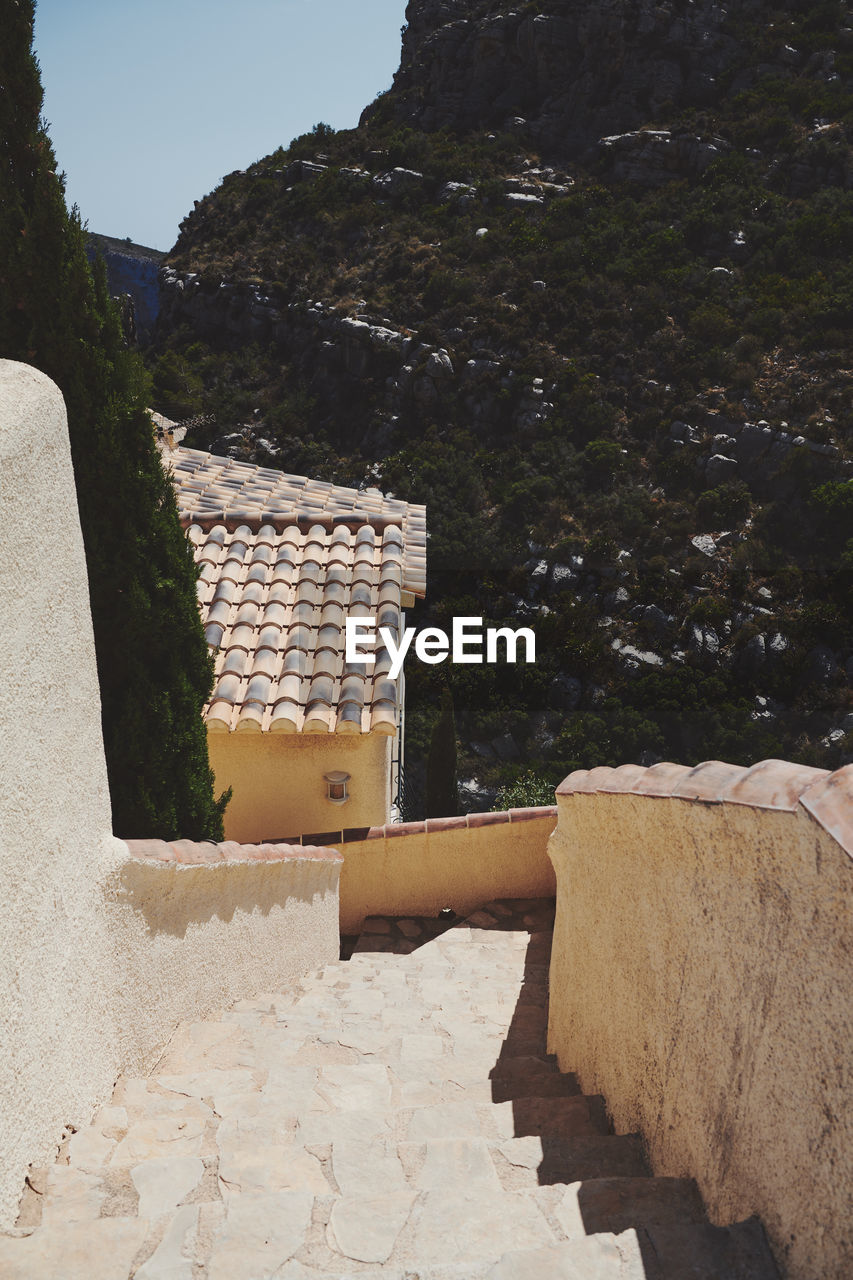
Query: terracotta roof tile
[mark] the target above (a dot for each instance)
(352, 690)
(349, 718)
(236, 661)
(239, 493)
(318, 718)
(249, 718)
(219, 716)
(384, 689)
(383, 718)
(269, 635)
(295, 662)
(284, 718)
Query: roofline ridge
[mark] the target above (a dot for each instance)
(235, 518)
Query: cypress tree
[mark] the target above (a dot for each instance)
(55, 313)
(442, 796)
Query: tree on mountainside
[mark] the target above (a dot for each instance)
(55, 313)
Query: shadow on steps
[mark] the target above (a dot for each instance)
(616, 1192)
(396, 935)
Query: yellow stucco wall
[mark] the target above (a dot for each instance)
(279, 789)
(420, 872)
(701, 979)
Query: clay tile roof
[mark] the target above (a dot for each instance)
(214, 491)
(283, 560)
(279, 636)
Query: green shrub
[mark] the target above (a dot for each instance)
(529, 790)
(153, 664)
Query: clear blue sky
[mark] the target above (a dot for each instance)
(150, 102)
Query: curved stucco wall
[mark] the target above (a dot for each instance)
(279, 789)
(417, 868)
(701, 980)
(103, 951)
(56, 851)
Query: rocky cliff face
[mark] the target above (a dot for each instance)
(132, 275)
(564, 72)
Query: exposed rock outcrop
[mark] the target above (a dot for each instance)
(564, 72)
(655, 156)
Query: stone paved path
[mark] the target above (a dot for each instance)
(395, 1116)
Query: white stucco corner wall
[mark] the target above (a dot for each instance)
(105, 947)
(56, 850)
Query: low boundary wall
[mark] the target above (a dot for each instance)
(198, 926)
(416, 868)
(701, 980)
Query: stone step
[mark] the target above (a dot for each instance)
(539, 1064)
(738, 1252)
(531, 1075)
(523, 1162)
(559, 1117)
(525, 1046)
(703, 1252)
(615, 1204)
(537, 1085)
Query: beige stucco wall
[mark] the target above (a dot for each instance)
(279, 788)
(701, 980)
(102, 955)
(437, 864)
(190, 940)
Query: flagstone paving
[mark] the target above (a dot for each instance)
(393, 1116)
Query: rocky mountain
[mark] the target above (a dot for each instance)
(580, 281)
(562, 74)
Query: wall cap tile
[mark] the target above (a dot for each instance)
(393, 829)
(435, 826)
(189, 853)
(774, 785)
(659, 779)
(489, 819)
(830, 802)
(708, 781)
(530, 815)
(624, 778)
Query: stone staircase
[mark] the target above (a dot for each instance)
(396, 1116)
